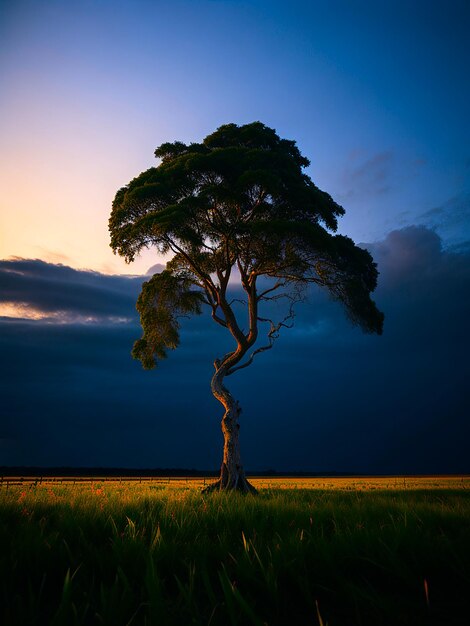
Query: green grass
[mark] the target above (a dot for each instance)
(130, 554)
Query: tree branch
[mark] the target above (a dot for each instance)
(273, 334)
(216, 318)
(231, 321)
(280, 283)
(206, 279)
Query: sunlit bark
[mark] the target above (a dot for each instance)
(232, 475)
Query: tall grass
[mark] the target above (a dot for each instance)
(131, 554)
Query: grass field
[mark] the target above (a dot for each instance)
(356, 551)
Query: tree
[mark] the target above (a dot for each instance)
(237, 206)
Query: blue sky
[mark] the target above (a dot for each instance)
(376, 94)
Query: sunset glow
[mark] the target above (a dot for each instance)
(81, 111)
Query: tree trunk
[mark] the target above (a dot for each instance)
(232, 475)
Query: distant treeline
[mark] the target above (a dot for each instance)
(159, 471)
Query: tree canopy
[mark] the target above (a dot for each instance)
(239, 207)
(237, 202)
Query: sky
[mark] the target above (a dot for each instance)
(376, 94)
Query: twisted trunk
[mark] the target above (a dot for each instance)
(232, 475)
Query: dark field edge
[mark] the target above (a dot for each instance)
(136, 473)
(148, 472)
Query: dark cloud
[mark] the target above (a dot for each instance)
(451, 219)
(375, 168)
(67, 293)
(372, 175)
(155, 269)
(327, 397)
(383, 173)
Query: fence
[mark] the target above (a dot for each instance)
(33, 481)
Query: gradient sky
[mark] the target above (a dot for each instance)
(377, 96)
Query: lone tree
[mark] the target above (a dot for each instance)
(236, 207)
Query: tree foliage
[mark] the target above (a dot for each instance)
(162, 300)
(239, 204)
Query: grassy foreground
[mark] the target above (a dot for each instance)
(367, 553)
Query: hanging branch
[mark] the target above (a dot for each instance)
(273, 334)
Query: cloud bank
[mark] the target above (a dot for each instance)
(325, 398)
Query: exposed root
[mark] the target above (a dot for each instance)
(228, 482)
(243, 486)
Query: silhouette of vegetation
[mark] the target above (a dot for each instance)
(236, 207)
